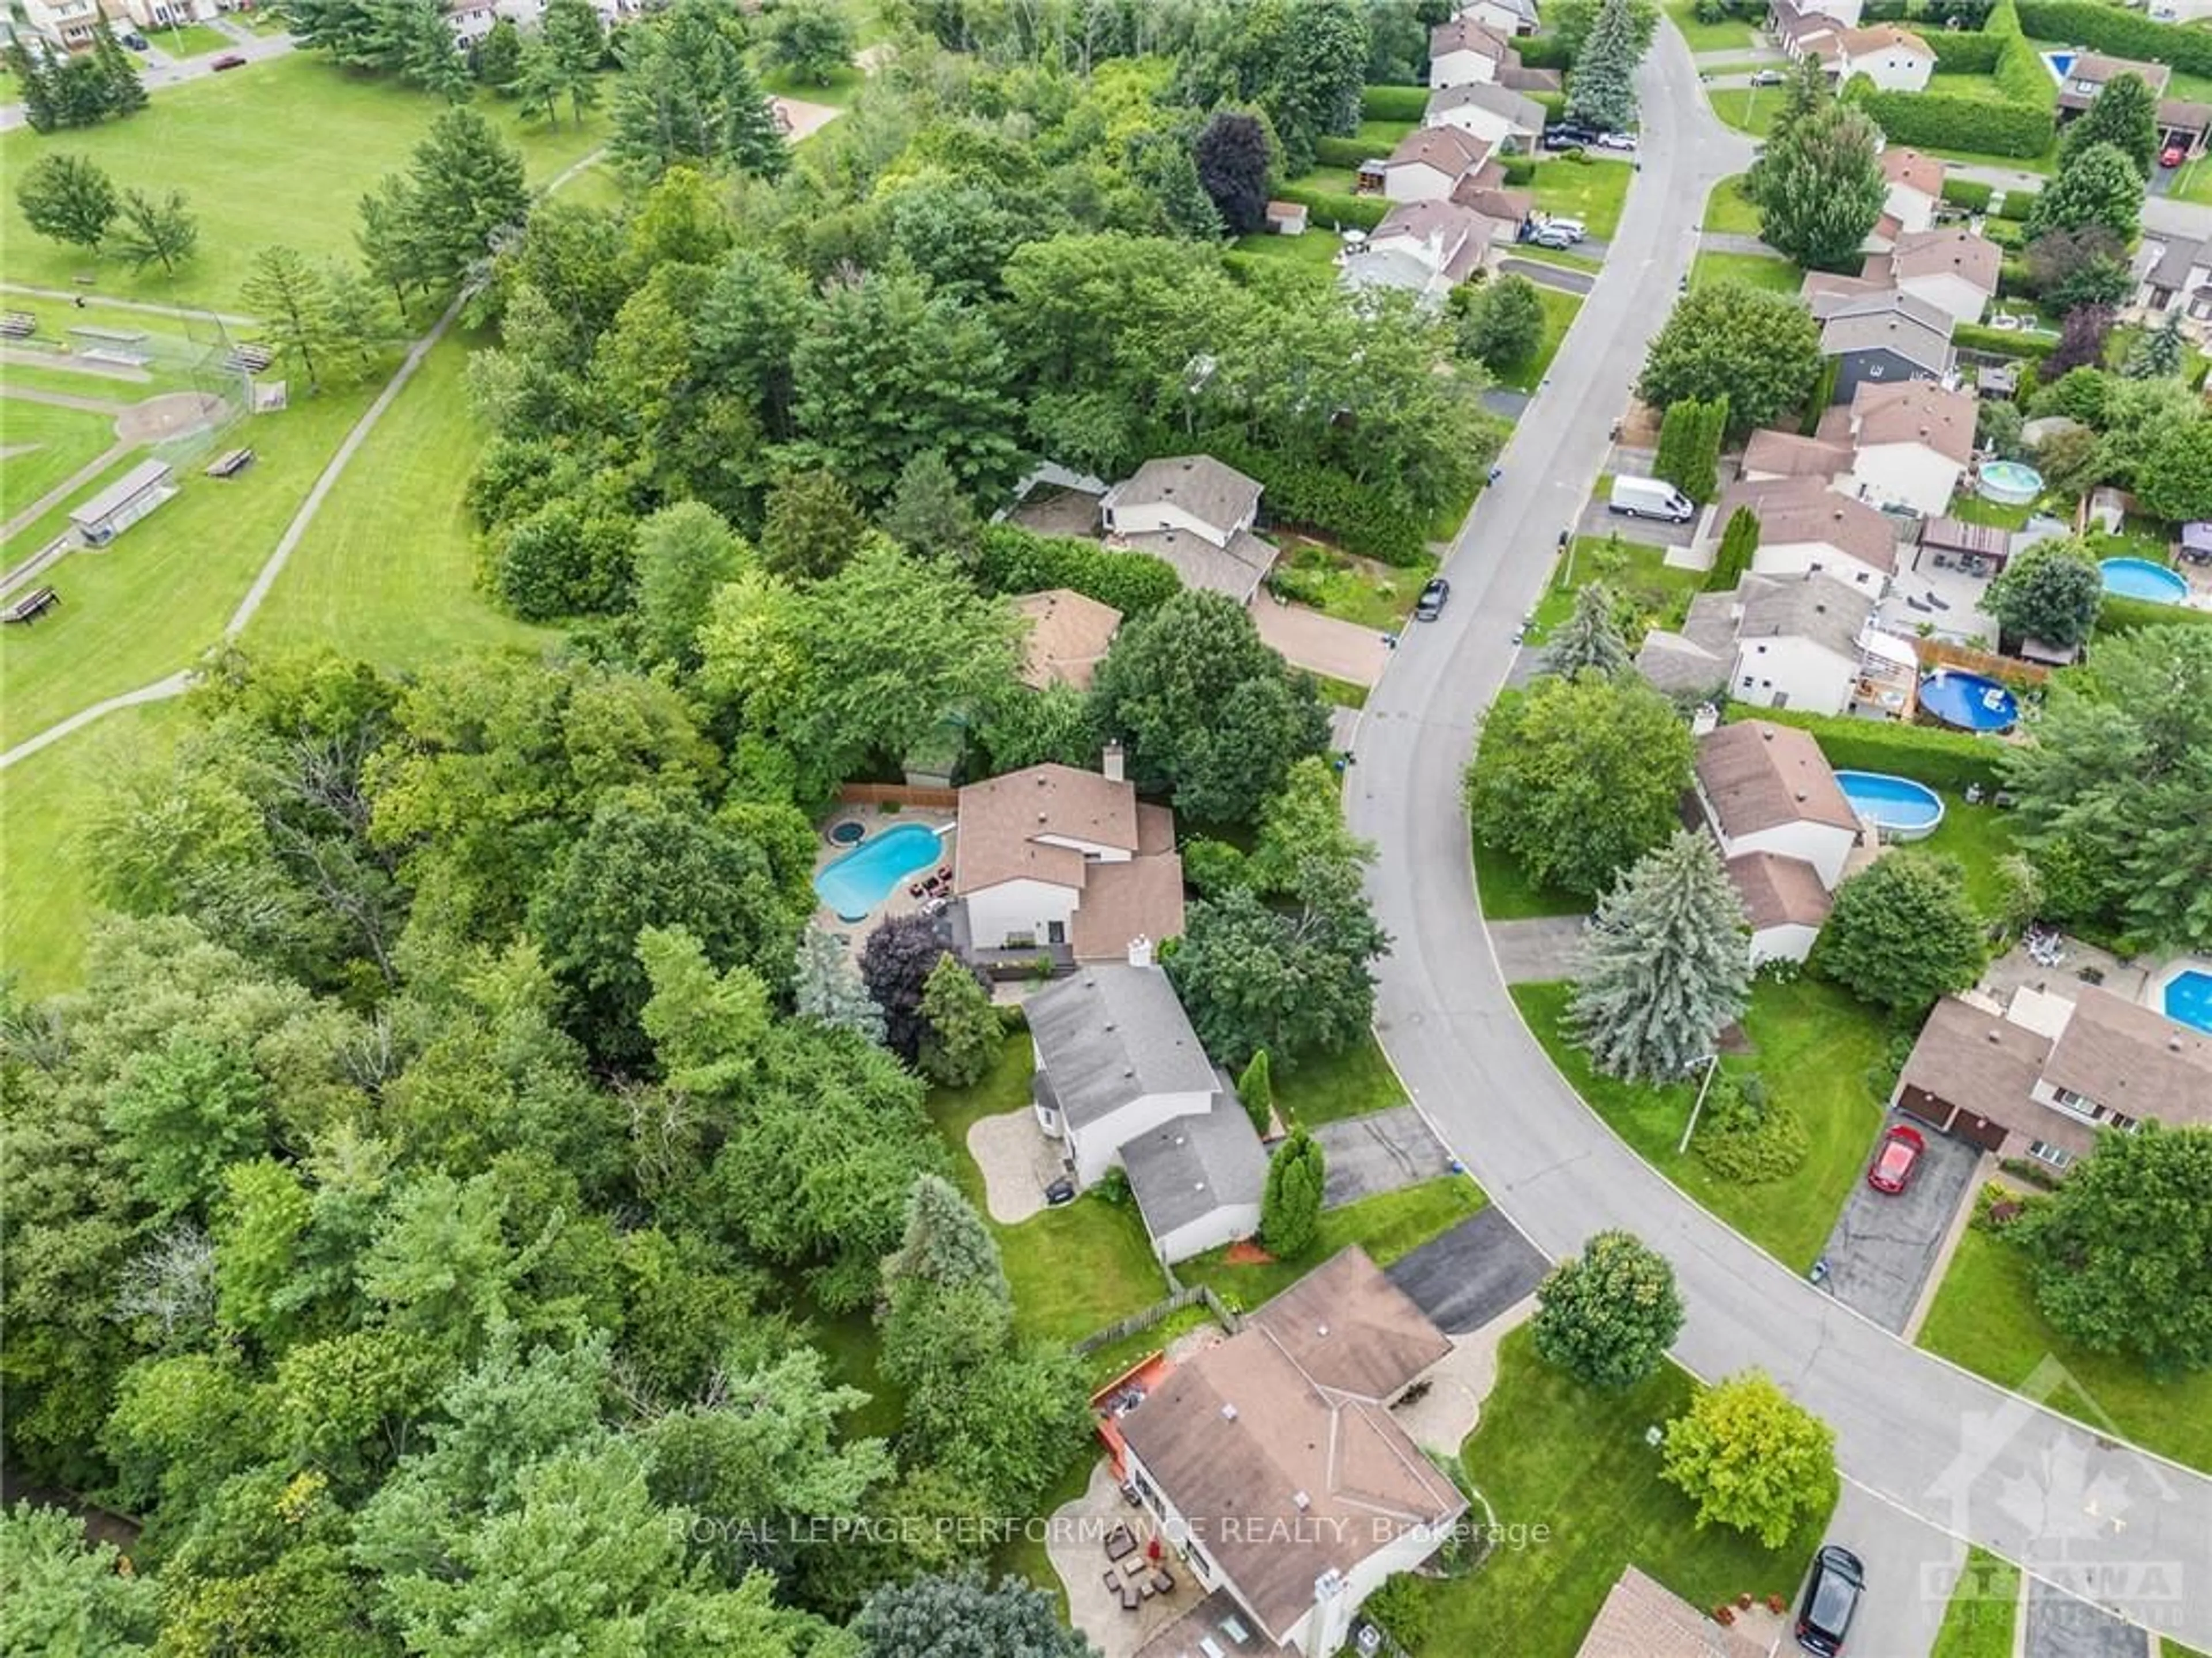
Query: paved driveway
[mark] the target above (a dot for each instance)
(1321, 644)
(2060, 1626)
(1543, 948)
(1880, 1252)
(1600, 520)
(1911, 1569)
(1472, 1274)
(1366, 1156)
(1566, 278)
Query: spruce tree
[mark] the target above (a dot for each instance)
(946, 1244)
(928, 513)
(2157, 354)
(35, 81)
(1590, 637)
(125, 92)
(827, 987)
(1665, 967)
(965, 1032)
(1601, 88)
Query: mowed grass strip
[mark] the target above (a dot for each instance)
(386, 571)
(41, 445)
(1393, 1224)
(280, 151)
(1984, 1604)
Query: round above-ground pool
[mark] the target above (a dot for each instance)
(856, 883)
(1971, 701)
(1899, 808)
(2188, 998)
(2138, 578)
(2010, 483)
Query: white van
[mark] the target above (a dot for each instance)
(1650, 498)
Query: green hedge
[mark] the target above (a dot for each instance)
(1941, 759)
(1346, 152)
(2019, 71)
(1554, 104)
(1363, 211)
(1394, 103)
(2016, 204)
(1972, 336)
(2126, 616)
(1928, 120)
(1965, 192)
(1011, 560)
(1543, 52)
(1357, 517)
(1963, 53)
(1519, 169)
(2122, 33)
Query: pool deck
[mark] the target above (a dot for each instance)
(901, 902)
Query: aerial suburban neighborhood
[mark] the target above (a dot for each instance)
(1106, 829)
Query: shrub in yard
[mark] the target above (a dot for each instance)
(1745, 1137)
(1608, 1315)
(1289, 1206)
(1902, 932)
(1750, 1457)
(1362, 212)
(1256, 1088)
(1331, 151)
(1965, 192)
(1011, 560)
(1403, 1611)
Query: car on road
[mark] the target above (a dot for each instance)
(1567, 136)
(1767, 77)
(1897, 1157)
(1616, 141)
(1552, 237)
(1430, 605)
(228, 60)
(133, 40)
(2172, 155)
(1832, 1596)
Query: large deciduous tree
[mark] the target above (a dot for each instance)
(1818, 187)
(1501, 323)
(2070, 269)
(156, 230)
(1601, 85)
(2096, 185)
(1289, 979)
(1760, 350)
(1577, 779)
(68, 197)
(896, 964)
(1608, 1315)
(684, 553)
(1234, 160)
(1208, 711)
(2123, 1253)
(1752, 1458)
(1903, 932)
(2177, 484)
(810, 41)
(1666, 965)
(2051, 592)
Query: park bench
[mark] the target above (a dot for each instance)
(111, 335)
(32, 605)
(249, 358)
(114, 357)
(230, 463)
(17, 324)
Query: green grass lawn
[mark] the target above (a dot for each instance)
(233, 144)
(850, 1343)
(387, 572)
(1748, 109)
(1559, 312)
(1728, 209)
(1973, 509)
(1593, 191)
(149, 602)
(1358, 590)
(1383, 136)
(1772, 272)
(1724, 36)
(1986, 1320)
(1661, 591)
(190, 40)
(1102, 1365)
(844, 86)
(1338, 181)
(1508, 895)
(1978, 1623)
(1558, 257)
(54, 443)
(46, 902)
(1978, 836)
(1315, 251)
(1334, 1086)
(1394, 1225)
(1553, 1453)
(1814, 1046)
(2045, 164)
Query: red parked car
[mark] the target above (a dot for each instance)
(1899, 1157)
(2172, 155)
(228, 60)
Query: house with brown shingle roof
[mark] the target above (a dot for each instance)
(1464, 50)
(1641, 1619)
(1425, 249)
(1430, 161)
(1894, 59)
(1769, 454)
(1785, 903)
(1196, 513)
(2042, 1074)
(1910, 443)
(1275, 1454)
(1065, 862)
(1806, 528)
(2087, 74)
(1767, 787)
(1069, 633)
(1915, 186)
(1953, 270)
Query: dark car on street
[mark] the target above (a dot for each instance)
(228, 60)
(1832, 1596)
(1568, 136)
(1430, 605)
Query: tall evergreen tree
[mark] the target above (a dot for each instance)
(1289, 1204)
(688, 93)
(465, 188)
(928, 515)
(68, 197)
(118, 72)
(1602, 86)
(826, 987)
(1666, 966)
(1819, 187)
(292, 300)
(1590, 637)
(946, 1244)
(2157, 354)
(153, 231)
(1739, 541)
(34, 81)
(964, 1031)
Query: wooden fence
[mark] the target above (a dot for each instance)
(1189, 1295)
(1939, 651)
(897, 794)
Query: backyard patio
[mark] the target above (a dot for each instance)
(1125, 1583)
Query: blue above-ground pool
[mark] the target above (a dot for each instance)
(856, 883)
(2188, 998)
(1899, 808)
(2138, 578)
(1971, 701)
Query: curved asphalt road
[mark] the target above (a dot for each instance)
(2119, 1527)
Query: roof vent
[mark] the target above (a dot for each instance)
(1302, 1500)
(1130, 1071)
(1994, 1037)
(1767, 734)
(1320, 1329)
(1228, 1412)
(1801, 794)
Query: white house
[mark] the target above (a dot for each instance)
(1785, 903)
(1122, 1082)
(1428, 163)
(1497, 115)
(470, 19)
(1915, 189)
(67, 24)
(1765, 787)
(1894, 59)
(1464, 50)
(2175, 279)
(1910, 443)
(1422, 248)
(1953, 270)
(1514, 16)
(1065, 862)
(1805, 528)
(1275, 1456)
(1197, 515)
(1798, 641)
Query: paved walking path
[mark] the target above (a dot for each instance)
(152, 309)
(1539, 949)
(1732, 241)
(67, 400)
(1915, 1436)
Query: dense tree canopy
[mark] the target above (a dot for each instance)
(687, 94)
(1608, 1315)
(1758, 350)
(1903, 932)
(2051, 592)
(1818, 187)
(1751, 1457)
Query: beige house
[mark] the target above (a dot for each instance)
(1894, 59)
(1910, 443)
(1806, 528)
(1064, 863)
(1767, 787)
(1641, 1619)
(1197, 515)
(1428, 164)
(1422, 248)
(1276, 1456)
(1915, 189)
(1954, 269)
(1068, 635)
(1465, 50)
(1497, 115)
(2041, 1075)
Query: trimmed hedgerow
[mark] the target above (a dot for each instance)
(1346, 152)
(1357, 517)
(1011, 560)
(1972, 336)
(1929, 120)
(2122, 33)
(1363, 211)
(1941, 759)
(2126, 616)
(1394, 103)
(1967, 193)
(1963, 53)
(2016, 205)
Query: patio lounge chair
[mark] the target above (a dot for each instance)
(1120, 1542)
(1162, 1581)
(1130, 1598)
